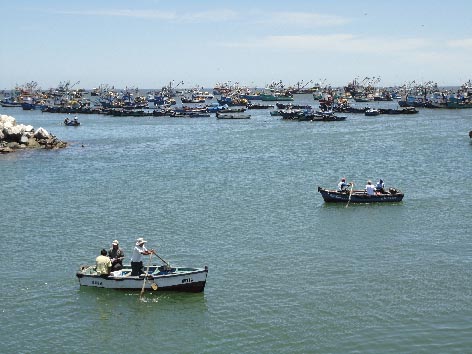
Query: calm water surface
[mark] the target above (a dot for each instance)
(287, 273)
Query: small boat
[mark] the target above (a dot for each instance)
(292, 106)
(360, 196)
(232, 110)
(158, 278)
(327, 116)
(276, 97)
(10, 102)
(372, 112)
(71, 123)
(259, 106)
(405, 110)
(232, 115)
(362, 98)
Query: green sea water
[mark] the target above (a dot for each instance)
(287, 272)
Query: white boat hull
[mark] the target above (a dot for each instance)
(175, 279)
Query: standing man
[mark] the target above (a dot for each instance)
(103, 263)
(137, 258)
(117, 255)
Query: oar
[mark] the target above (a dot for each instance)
(145, 276)
(350, 193)
(167, 263)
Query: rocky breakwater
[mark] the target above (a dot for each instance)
(15, 136)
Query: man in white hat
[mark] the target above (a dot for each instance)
(116, 255)
(137, 258)
(370, 188)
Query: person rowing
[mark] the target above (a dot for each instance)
(343, 185)
(137, 257)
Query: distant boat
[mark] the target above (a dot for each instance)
(232, 115)
(185, 99)
(71, 123)
(275, 97)
(320, 116)
(259, 106)
(232, 101)
(362, 98)
(360, 196)
(458, 104)
(405, 110)
(251, 97)
(371, 112)
(10, 102)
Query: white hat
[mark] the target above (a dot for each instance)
(140, 241)
(115, 242)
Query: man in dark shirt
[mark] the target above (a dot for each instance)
(116, 255)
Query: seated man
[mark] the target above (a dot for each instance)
(379, 187)
(116, 255)
(103, 263)
(342, 186)
(369, 188)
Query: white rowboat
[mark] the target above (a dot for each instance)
(159, 278)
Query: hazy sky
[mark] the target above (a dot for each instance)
(146, 44)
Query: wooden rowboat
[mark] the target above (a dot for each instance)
(360, 196)
(159, 278)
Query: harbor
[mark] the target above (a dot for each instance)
(235, 177)
(241, 197)
(355, 97)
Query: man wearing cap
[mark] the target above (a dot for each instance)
(137, 258)
(116, 255)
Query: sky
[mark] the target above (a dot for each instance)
(149, 43)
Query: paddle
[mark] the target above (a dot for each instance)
(166, 263)
(145, 275)
(350, 193)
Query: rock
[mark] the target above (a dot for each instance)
(33, 143)
(13, 133)
(28, 128)
(15, 136)
(6, 120)
(41, 133)
(24, 140)
(13, 145)
(6, 149)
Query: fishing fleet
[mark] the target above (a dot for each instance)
(173, 100)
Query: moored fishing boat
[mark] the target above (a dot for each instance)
(232, 115)
(259, 106)
(405, 110)
(360, 196)
(10, 102)
(276, 97)
(372, 112)
(158, 278)
(319, 116)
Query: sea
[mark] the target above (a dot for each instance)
(288, 273)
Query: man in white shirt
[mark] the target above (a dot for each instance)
(369, 188)
(137, 257)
